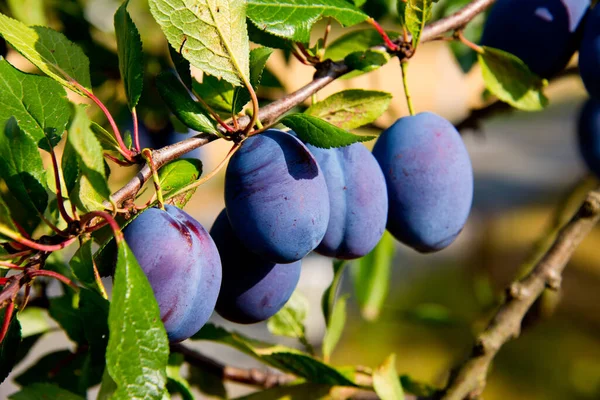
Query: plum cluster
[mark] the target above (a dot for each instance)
(285, 199)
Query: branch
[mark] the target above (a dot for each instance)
(468, 380)
(327, 72)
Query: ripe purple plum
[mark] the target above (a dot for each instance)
(588, 129)
(429, 180)
(589, 54)
(542, 33)
(357, 199)
(253, 289)
(276, 197)
(182, 264)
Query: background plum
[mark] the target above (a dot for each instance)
(588, 129)
(357, 199)
(429, 180)
(276, 197)
(182, 264)
(589, 54)
(253, 289)
(542, 33)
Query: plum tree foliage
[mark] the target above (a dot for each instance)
(297, 180)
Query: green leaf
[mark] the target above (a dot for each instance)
(465, 56)
(508, 78)
(335, 327)
(417, 388)
(30, 12)
(216, 93)
(414, 14)
(351, 108)
(131, 62)
(22, 169)
(182, 66)
(258, 60)
(386, 382)
(356, 41)
(181, 104)
(107, 387)
(89, 157)
(50, 51)
(93, 310)
(177, 383)
(211, 35)
(82, 264)
(44, 391)
(266, 39)
(6, 222)
(9, 346)
(107, 140)
(293, 19)
(289, 321)
(294, 391)
(39, 104)
(62, 310)
(138, 348)
(366, 61)
(34, 321)
(69, 167)
(320, 133)
(176, 175)
(328, 299)
(371, 277)
(208, 381)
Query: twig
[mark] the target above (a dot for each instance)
(468, 380)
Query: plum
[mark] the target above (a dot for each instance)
(182, 264)
(357, 199)
(588, 129)
(589, 54)
(542, 33)
(429, 180)
(276, 197)
(253, 289)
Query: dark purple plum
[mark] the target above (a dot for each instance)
(589, 54)
(357, 199)
(542, 33)
(429, 180)
(253, 289)
(588, 129)
(182, 264)
(276, 197)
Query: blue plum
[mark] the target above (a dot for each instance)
(429, 180)
(276, 197)
(182, 264)
(253, 289)
(357, 199)
(589, 54)
(588, 129)
(542, 33)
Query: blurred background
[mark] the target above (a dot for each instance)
(525, 166)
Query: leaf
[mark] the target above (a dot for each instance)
(329, 295)
(39, 104)
(417, 388)
(414, 14)
(181, 104)
(89, 154)
(335, 327)
(386, 382)
(176, 175)
(107, 387)
(30, 12)
(216, 93)
(50, 51)
(211, 35)
(356, 41)
(258, 60)
(138, 348)
(465, 56)
(93, 310)
(131, 62)
(62, 310)
(108, 141)
(44, 391)
(366, 61)
(266, 39)
(293, 19)
(6, 222)
(22, 169)
(208, 381)
(320, 133)
(508, 78)
(69, 167)
(294, 391)
(33, 321)
(289, 321)
(82, 265)
(371, 277)
(177, 383)
(182, 66)
(9, 346)
(352, 108)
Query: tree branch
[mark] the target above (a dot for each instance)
(327, 72)
(468, 380)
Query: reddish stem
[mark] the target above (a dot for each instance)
(15, 255)
(59, 198)
(21, 230)
(109, 219)
(3, 281)
(26, 296)
(136, 130)
(117, 161)
(52, 274)
(388, 42)
(10, 265)
(45, 247)
(7, 317)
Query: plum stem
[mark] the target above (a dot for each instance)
(468, 43)
(212, 112)
(147, 154)
(404, 67)
(255, 106)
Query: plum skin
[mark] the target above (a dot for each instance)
(544, 34)
(357, 199)
(589, 54)
(588, 130)
(429, 180)
(252, 289)
(182, 264)
(276, 197)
